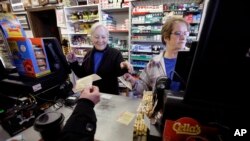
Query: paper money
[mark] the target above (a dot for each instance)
(85, 82)
(126, 83)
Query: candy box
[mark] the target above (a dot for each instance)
(29, 56)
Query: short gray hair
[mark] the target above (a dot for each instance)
(97, 25)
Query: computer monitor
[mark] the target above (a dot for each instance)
(220, 74)
(2, 69)
(183, 65)
(59, 75)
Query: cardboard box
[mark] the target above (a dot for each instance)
(29, 56)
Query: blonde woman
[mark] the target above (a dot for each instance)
(174, 36)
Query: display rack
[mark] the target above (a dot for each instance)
(146, 26)
(136, 33)
(117, 22)
(5, 53)
(79, 20)
(190, 10)
(23, 19)
(145, 32)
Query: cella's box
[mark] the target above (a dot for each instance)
(29, 56)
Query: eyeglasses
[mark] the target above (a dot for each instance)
(179, 33)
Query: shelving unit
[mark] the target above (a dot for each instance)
(134, 30)
(23, 19)
(145, 32)
(190, 11)
(5, 53)
(117, 21)
(78, 35)
(79, 20)
(146, 26)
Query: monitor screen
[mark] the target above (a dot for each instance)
(183, 65)
(220, 74)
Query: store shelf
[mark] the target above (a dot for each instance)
(146, 23)
(140, 57)
(109, 10)
(79, 20)
(118, 31)
(145, 32)
(127, 28)
(84, 21)
(139, 66)
(146, 41)
(146, 52)
(81, 6)
(145, 13)
(117, 22)
(147, 18)
(5, 52)
(81, 46)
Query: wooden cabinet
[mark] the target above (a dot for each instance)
(43, 22)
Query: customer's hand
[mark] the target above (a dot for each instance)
(71, 57)
(91, 93)
(126, 64)
(130, 78)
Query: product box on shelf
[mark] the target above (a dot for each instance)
(45, 2)
(10, 26)
(29, 56)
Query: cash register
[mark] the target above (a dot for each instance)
(21, 97)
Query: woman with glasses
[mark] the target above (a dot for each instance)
(174, 36)
(102, 60)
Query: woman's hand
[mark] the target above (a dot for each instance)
(71, 57)
(130, 78)
(126, 64)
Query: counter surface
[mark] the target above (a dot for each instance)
(107, 111)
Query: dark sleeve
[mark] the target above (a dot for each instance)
(77, 69)
(119, 59)
(81, 126)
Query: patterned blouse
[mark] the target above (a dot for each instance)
(154, 69)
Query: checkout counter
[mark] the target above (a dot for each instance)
(108, 111)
